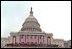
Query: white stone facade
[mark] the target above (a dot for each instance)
(67, 44)
(31, 33)
(4, 41)
(59, 42)
(45, 41)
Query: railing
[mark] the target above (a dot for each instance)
(25, 45)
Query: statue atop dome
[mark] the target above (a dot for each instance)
(31, 8)
(31, 12)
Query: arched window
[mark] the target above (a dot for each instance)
(14, 39)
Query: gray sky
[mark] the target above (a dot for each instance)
(53, 16)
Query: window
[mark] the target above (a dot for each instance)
(27, 42)
(31, 36)
(35, 42)
(40, 42)
(69, 46)
(31, 42)
(40, 36)
(48, 37)
(22, 42)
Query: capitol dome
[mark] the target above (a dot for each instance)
(31, 23)
(31, 18)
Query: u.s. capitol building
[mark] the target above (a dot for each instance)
(31, 35)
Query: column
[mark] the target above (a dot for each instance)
(20, 39)
(17, 38)
(43, 40)
(38, 39)
(25, 38)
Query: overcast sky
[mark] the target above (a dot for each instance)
(53, 16)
